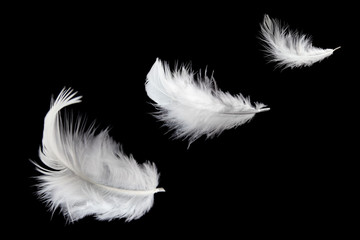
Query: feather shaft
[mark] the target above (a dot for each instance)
(248, 112)
(132, 192)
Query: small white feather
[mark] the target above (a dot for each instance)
(194, 108)
(288, 48)
(88, 174)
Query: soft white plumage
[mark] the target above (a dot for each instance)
(288, 48)
(88, 174)
(195, 108)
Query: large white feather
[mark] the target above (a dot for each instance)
(288, 48)
(88, 174)
(194, 108)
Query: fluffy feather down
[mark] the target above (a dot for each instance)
(88, 174)
(288, 48)
(195, 108)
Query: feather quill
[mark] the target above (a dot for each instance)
(194, 108)
(289, 48)
(87, 173)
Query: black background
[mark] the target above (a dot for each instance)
(282, 174)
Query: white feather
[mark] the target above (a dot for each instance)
(88, 174)
(195, 108)
(288, 48)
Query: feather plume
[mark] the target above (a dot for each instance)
(289, 48)
(194, 108)
(88, 173)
